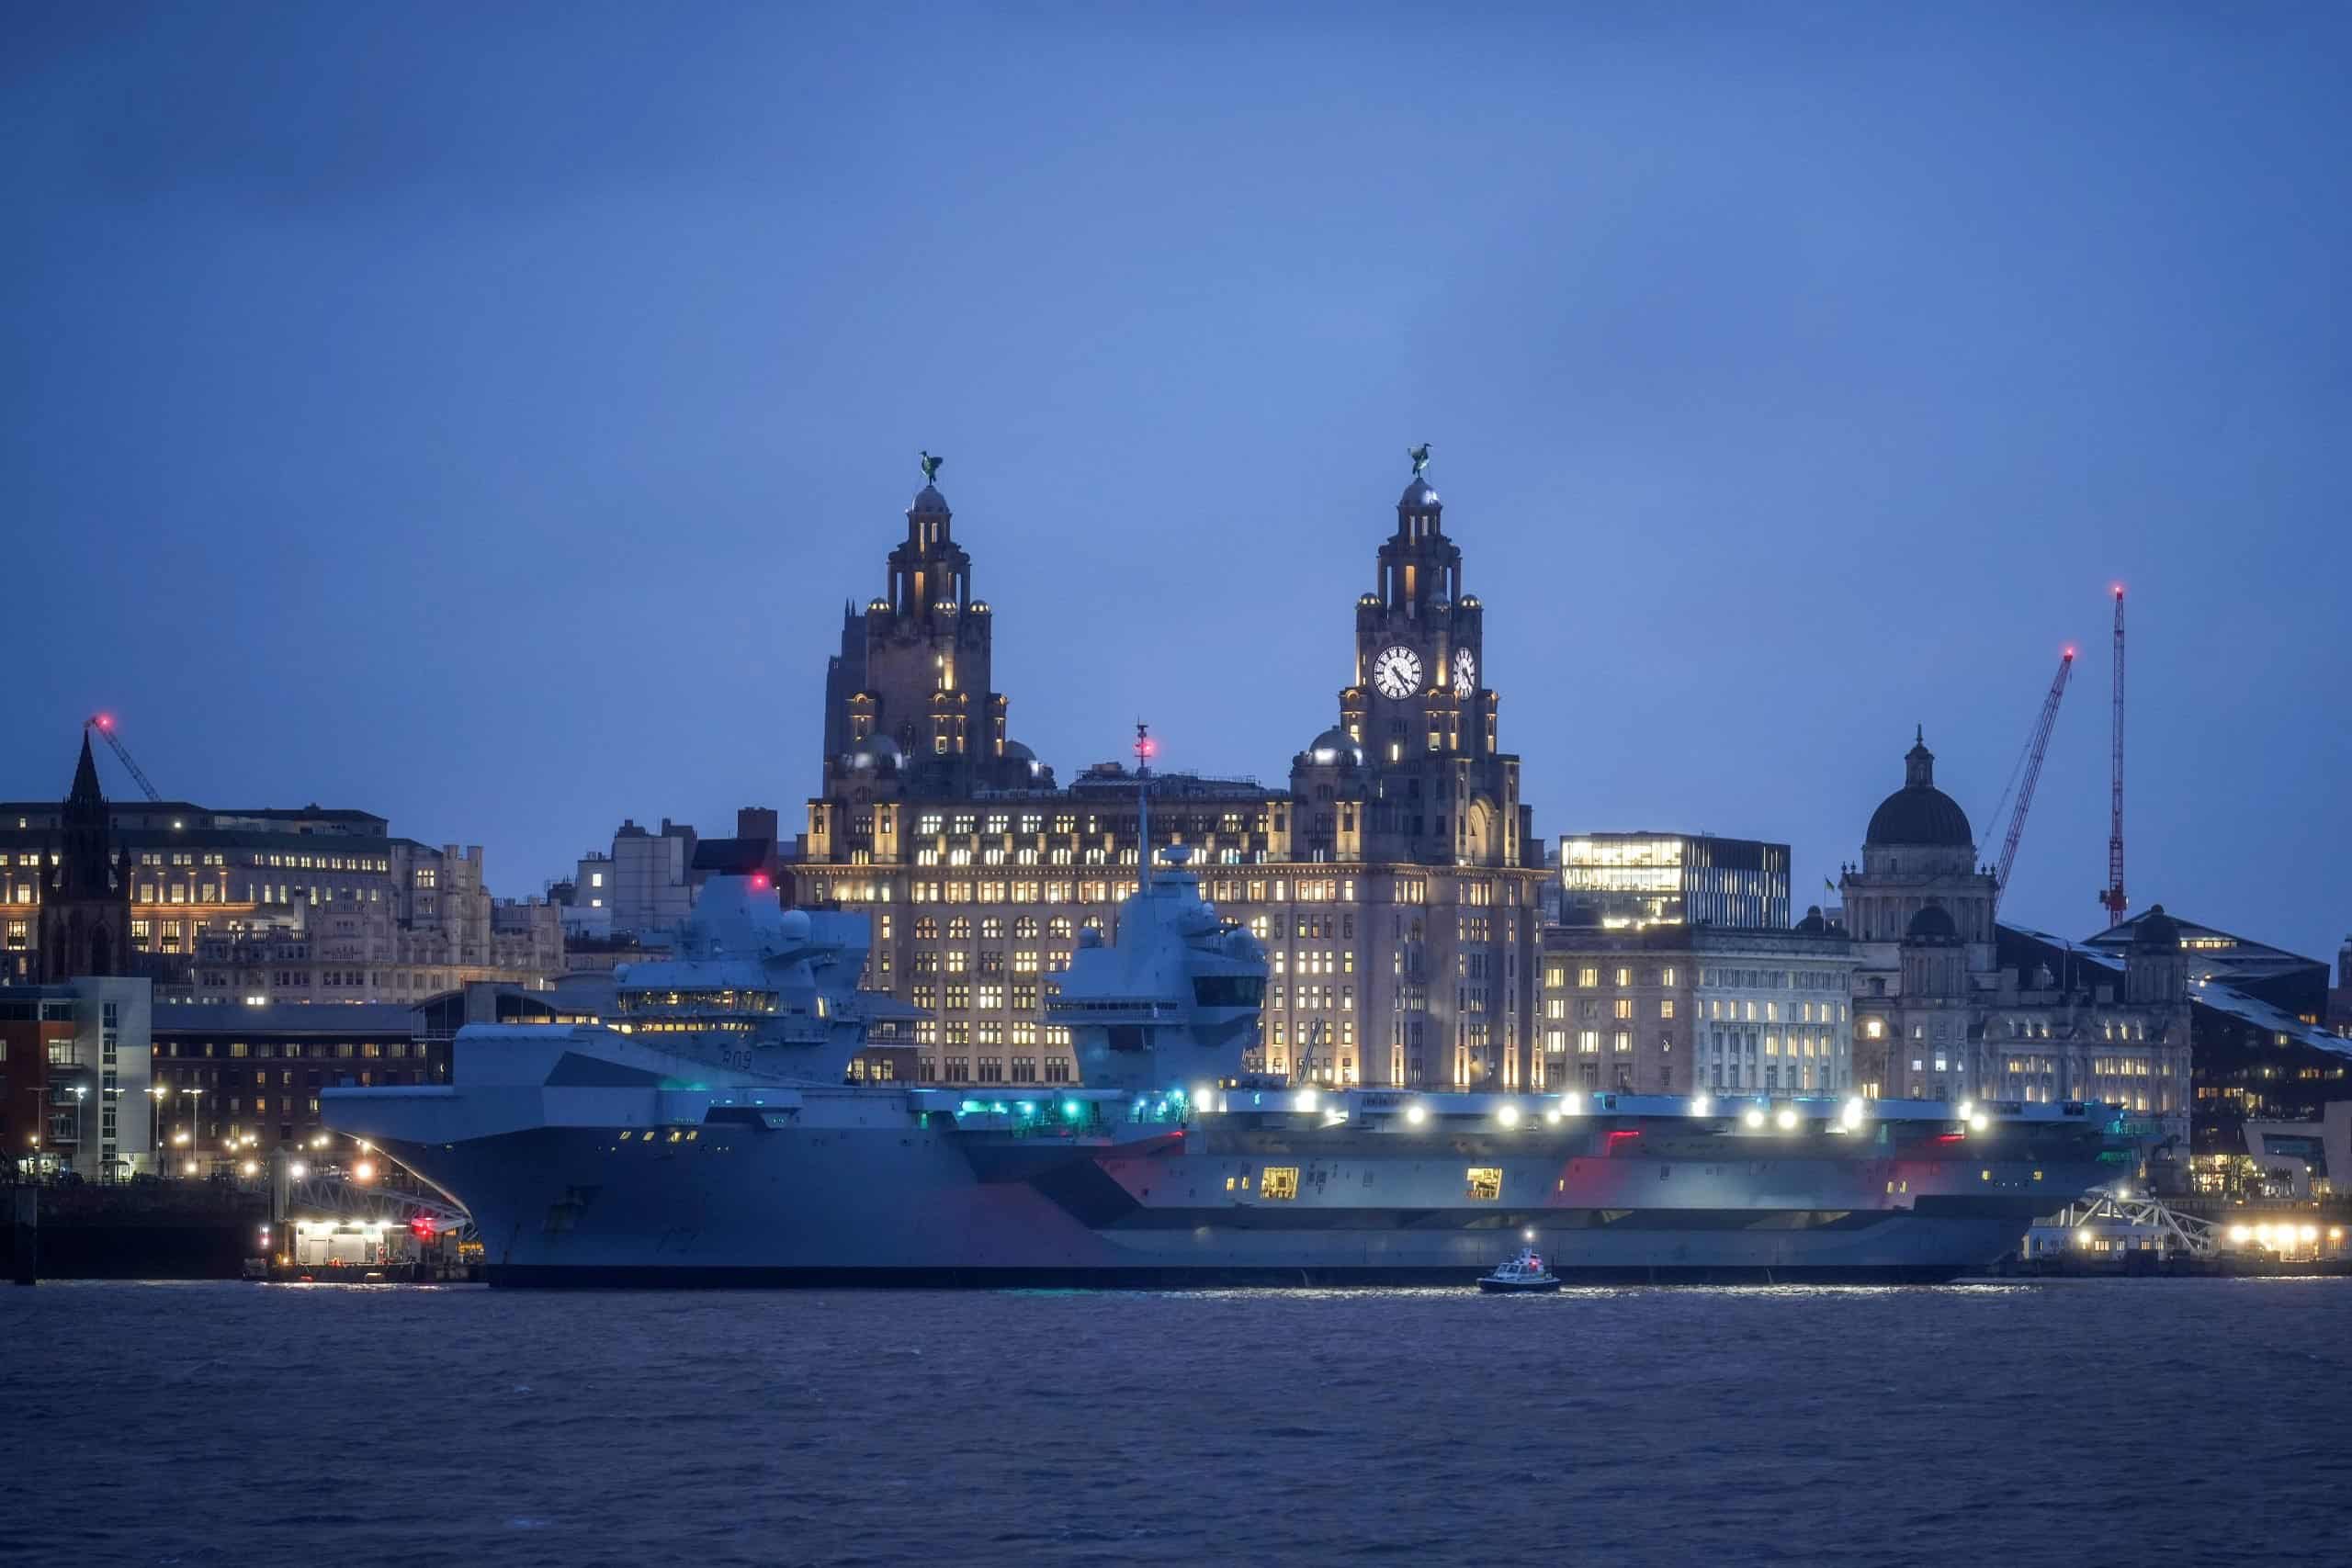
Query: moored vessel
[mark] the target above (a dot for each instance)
(705, 1135)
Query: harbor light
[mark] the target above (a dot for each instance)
(1977, 1123)
(1305, 1100)
(249, 1169)
(1416, 1114)
(298, 1170)
(1786, 1118)
(364, 1171)
(1552, 1115)
(1852, 1114)
(2309, 1233)
(1700, 1105)
(1751, 1117)
(1529, 1232)
(1508, 1116)
(189, 1169)
(2240, 1234)
(1570, 1105)
(1073, 1110)
(1967, 1110)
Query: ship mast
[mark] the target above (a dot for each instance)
(1144, 749)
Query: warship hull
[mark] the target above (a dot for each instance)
(862, 1187)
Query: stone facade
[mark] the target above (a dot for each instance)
(1683, 1009)
(307, 904)
(1395, 883)
(1948, 1006)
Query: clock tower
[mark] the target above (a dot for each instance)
(1411, 771)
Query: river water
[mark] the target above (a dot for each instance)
(2108, 1422)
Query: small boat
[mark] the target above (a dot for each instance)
(1523, 1273)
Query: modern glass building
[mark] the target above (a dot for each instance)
(1620, 880)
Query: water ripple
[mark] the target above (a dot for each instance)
(2017, 1424)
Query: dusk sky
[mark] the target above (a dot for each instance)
(478, 415)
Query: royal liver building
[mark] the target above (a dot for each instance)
(1394, 883)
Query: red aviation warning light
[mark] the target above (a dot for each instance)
(421, 1227)
(103, 724)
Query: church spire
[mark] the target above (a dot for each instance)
(84, 795)
(85, 902)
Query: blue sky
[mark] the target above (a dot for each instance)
(478, 415)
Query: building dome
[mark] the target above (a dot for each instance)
(1814, 922)
(1932, 924)
(1335, 745)
(1919, 813)
(876, 752)
(929, 502)
(1016, 752)
(2156, 933)
(1418, 497)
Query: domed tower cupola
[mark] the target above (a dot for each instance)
(1919, 826)
(1420, 569)
(929, 516)
(1420, 513)
(1919, 763)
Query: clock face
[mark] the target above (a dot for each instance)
(1397, 671)
(1466, 672)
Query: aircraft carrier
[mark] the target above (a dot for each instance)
(703, 1134)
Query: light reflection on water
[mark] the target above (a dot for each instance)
(236, 1423)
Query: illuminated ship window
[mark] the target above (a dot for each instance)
(1280, 1181)
(1485, 1183)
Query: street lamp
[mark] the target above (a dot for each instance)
(160, 1092)
(192, 1095)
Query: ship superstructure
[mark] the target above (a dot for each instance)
(706, 1137)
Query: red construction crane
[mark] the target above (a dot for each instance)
(103, 724)
(2037, 747)
(2112, 898)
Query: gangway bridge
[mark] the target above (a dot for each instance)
(298, 1191)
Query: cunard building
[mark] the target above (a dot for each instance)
(1394, 883)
